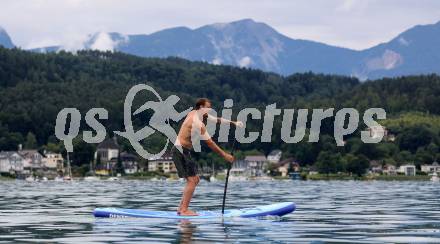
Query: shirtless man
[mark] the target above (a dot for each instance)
(185, 165)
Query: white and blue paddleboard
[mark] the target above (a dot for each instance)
(278, 209)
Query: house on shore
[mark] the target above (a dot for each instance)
(105, 152)
(11, 162)
(33, 161)
(379, 130)
(256, 165)
(240, 169)
(407, 169)
(53, 161)
(431, 168)
(129, 162)
(163, 164)
(389, 169)
(288, 165)
(376, 167)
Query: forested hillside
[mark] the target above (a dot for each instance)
(35, 87)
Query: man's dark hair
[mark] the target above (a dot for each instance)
(201, 102)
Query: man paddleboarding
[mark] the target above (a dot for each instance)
(193, 126)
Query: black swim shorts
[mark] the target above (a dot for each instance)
(184, 163)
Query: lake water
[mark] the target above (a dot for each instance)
(335, 211)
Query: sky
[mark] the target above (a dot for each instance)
(356, 24)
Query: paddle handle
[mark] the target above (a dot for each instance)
(227, 178)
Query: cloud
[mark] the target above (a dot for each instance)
(349, 23)
(216, 61)
(43, 42)
(73, 41)
(244, 62)
(103, 42)
(389, 60)
(403, 41)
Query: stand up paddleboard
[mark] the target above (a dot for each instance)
(278, 209)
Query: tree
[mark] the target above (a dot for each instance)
(98, 159)
(119, 165)
(102, 79)
(83, 153)
(31, 141)
(326, 163)
(53, 147)
(413, 138)
(371, 150)
(403, 157)
(356, 164)
(423, 156)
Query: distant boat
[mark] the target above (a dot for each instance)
(92, 178)
(238, 178)
(435, 177)
(113, 179)
(69, 169)
(59, 178)
(264, 178)
(30, 178)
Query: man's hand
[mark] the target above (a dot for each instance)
(238, 124)
(228, 157)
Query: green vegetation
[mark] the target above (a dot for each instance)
(146, 175)
(344, 176)
(3, 178)
(400, 177)
(35, 87)
(413, 119)
(332, 177)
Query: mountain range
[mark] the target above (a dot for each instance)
(5, 40)
(251, 44)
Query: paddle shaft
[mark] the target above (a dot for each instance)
(227, 178)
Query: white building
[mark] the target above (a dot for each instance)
(129, 162)
(239, 169)
(407, 169)
(11, 162)
(274, 156)
(107, 150)
(287, 165)
(380, 131)
(53, 161)
(33, 160)
(163, 164)
(431, 168)
(256, 165)
(389, 169)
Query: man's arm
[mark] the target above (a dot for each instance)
(224, 121)
(214, 147)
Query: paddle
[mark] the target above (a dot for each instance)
(227, 177)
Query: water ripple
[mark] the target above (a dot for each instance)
(335, 211)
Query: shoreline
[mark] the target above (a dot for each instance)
(220, 179)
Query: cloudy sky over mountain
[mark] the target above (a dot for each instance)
(355, 24)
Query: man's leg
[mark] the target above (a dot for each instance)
(191, 183)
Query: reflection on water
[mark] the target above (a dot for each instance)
(336, 211)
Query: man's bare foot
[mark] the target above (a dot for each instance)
(187, 213)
